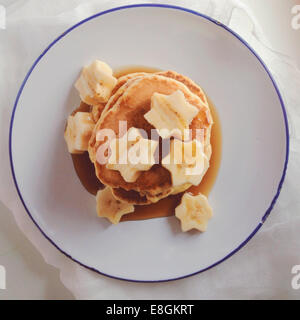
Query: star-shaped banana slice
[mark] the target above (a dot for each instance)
(186, 162)
(193, 212)
(96, 83)
(170, 114)
(111, 208)
(78, 132)
(131, 154)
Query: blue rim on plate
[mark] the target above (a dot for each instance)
(264, 217)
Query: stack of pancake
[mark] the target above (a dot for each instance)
(130, 100)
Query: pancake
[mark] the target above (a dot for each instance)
(96, 111)
(130, 101)
(187, 81)
(118, 90)
(131, 196)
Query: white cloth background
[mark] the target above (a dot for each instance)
(262, 269)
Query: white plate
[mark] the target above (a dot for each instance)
(254, 128)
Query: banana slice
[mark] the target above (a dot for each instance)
(186, 162)
(194, 212)
(78, 132)
(170, 114)
(95, 83)
(131, 154)
(111, 208)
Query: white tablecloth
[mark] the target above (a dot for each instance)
(262, 269)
